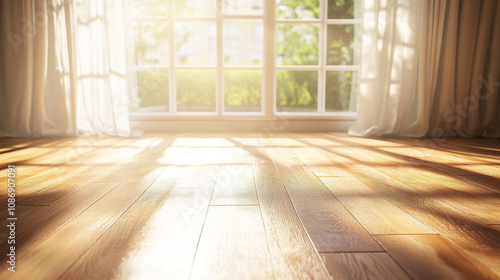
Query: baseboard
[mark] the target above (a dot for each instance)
(278, 124)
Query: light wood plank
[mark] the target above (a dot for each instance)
(195, 176)
(44, 185)
(373, 211)
(467, 169)
(437, 258)
(292, 253)
(471, 199)
(495, 227)
(235, 186)
(330, 226)
(25, 156)
(75, 175)
(233, 245)
(484, 181)
(25, 216)
(56, 215)
(471, 235)
(79, 233)
(363, 266)
(319, 164)
(143, 243)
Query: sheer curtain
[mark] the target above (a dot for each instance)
(36, 93)
(429, 68)
(100, 67)
(62, 69)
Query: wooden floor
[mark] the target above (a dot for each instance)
(253, 206)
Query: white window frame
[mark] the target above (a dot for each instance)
(315, 121)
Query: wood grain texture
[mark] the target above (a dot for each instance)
(79, 233)
(460, 194)
(46, 185)
(25, 216)
(195, 176)
(495, 227)
(97, 207)
(233, 245)
(471, 235)
(470, 198)
(330, 226)
(437, 258)
(363, 266)
(235, 186)
(59, 213)
(319, 164)
(484, 181)
(377, 214)
(286, 237)
(143, 244)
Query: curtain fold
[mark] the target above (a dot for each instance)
(58, 76)
(429, 68)
(467, 104)
(101, 84)
(35, 92)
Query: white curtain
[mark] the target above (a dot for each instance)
(99, 53)
(36, 95)
(62, 69)
(425, 72)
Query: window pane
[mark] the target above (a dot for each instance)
(297, 9)
(242, 7)
(344, 9)
(148, 91)
(195, 90)
(195, 43)
(243, 90)
(150, 43)
(297, 44)
(341, 90)
(243, 42)
(340, 44)
(296, 91)
(194, 8)
(148, 8)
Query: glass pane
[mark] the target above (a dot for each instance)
(297, 44)
(148, 8)
(195, 43)
(296, 91)
(341, 44)
(148, 91)
(344, 9)
(243, 90)
(195, 90)
(341, 91)
(243, 42)
(150, 43)
(242, 7)
(297, 9)
(194, 8)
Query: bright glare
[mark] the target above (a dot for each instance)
(202, 142)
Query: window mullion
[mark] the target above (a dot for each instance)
(171, 45)
(269, 71)
(219, 99)
(322, 56)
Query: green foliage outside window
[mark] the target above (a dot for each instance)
(296, 44)
(243, 90)
(195, 90)
(296, 91)
(341, 9)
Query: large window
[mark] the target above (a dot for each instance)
(242, 57)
